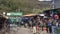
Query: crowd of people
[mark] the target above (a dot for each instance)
(37, 22)
(49, 23)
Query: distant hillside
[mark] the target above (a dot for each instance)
(30, 5)
(26, 6)
(34, 4)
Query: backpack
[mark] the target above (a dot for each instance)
(49, 24)
(57, 24)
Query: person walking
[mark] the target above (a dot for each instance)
(46, 21)
(55, 22)
(57, 26)
(34, 27)
(49, 26)
(53, 26)
(40, 22)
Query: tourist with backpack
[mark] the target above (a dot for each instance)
(49, 26)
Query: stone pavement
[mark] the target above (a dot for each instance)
(22, 30)
(19, 30)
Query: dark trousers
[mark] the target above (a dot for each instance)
(50, 29)
(47, 28)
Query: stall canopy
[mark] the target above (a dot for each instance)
(30, 15)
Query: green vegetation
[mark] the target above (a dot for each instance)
(9, 5)
(16, 5)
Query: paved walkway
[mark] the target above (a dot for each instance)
(19, 30)
(23, 30)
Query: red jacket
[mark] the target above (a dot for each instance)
(56, 16)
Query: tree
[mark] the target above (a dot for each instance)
(9, 5)
(24, 5)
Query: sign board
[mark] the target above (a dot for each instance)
(44, 0)
(14, 14)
